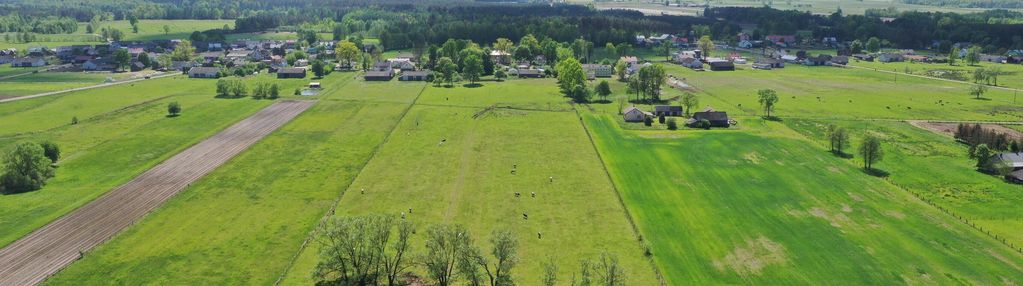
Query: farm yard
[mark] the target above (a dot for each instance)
(35, 257)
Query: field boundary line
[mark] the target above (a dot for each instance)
(333, 207)
(38, 95)
(618, 194)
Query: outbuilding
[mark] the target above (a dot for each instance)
(716, 118)
(204, 72)
(667, 110)
(414, 75)
(291, 73)
(633, 114)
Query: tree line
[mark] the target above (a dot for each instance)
(378, 249)
(14, 22)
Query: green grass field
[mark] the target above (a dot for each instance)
(1011, 75)
(846, 93)
(53, 81)
(148, 30)
(938, 169)
(769, 207)
(111, 146)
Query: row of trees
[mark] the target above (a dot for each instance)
(366, 250)
(974, 135)
(14, 22)
(28, 166)
(236, 88)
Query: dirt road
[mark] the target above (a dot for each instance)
(33, 258)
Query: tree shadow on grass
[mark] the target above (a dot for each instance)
(982, 98)
(173, 115)
(772, 118)
(472, 85)
(601, 101)
(648, 101)
(876, 172)
(842, 155)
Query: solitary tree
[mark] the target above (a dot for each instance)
(666, 50)
(122, 58)
(873, 44)
(953, 56)
(706, 46)
(973, 55)
(173, 109)
(838, 138)
(347, 52)
(689, 101)
(870, 150)
(318, 68)
(500, 75)
(26, 168)
(767, 98)
(603, 89)
(978, 90)
(166, 29)
(472, 67)
(983, 155)
(621, 68)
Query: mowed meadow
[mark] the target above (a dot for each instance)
(770, 207)
(451, 160)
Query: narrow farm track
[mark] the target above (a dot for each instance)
(33, 258)
(86, 87)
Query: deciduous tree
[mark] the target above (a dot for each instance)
(26, 168)
(870, 151)
(767, 98)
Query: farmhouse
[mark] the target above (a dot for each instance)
(28, 62)
(414, 75)
(864, 57)
(667, 110)
(204, 72)
(97, 65)
(633, 114)
(716, 118)
(291, 73)
(840, 60)
(378, 75)
(770, 63)
(692, 63)
(530, 73)
(1013, 161)
(597, 70)
(889, 57)
(500, 57)
(721, 65)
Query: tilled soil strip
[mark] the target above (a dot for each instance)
(33, 258)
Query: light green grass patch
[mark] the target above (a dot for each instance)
(242, 223)
(767, 207)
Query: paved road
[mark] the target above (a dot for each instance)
(44, 252)
(84, 88)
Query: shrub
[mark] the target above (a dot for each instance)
(26, 168)
(648, 121)
(703, 123)
(51, 151)
(672, 124)
(173, 109)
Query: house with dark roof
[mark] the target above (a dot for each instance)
(530, 73)
(378, 75)
(668, 110)
(716, 118)
(204, 72)
(291, 73)
(414, 75)
(28, 62)
(840, 60)
(721, 65)
(890, 57)
(1013, 161)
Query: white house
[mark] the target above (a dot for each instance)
(633, 114)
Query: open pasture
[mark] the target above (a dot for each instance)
(937, 168)
(53, 81)
(1010, 75)
(770, 207)
(32, 259)
(847, 93)
(459, 168)
(277, 191)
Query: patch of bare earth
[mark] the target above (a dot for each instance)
(950, 128)
(753, 257)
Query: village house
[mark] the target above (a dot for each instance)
(414, 75)
(720, 65)
(597, 70)
(781, 40)
(716, 118)
(692, 63)
(864, 57)
(28, 62)
(530, 73)
(668, 110)
(633, 114)
(840, 60)
(404, 64)
(204, 72)
(890, 57)
(291, 73)
(1013, 161)
(379, 75)
(500, 57)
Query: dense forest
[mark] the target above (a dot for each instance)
(1003, 4)
(992, 30)
(399, 24)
